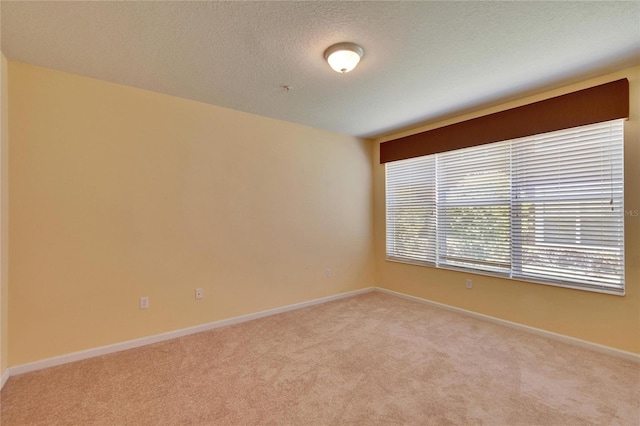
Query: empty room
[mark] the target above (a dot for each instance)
(319, 213)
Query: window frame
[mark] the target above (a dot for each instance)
(515, 271)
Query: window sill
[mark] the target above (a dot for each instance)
(571, 286)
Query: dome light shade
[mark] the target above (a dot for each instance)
(343, 57)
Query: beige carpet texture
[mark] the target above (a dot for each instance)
(371, 359)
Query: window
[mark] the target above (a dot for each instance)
(473, 208)
(546, 208)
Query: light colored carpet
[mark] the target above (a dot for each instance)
(372, 359)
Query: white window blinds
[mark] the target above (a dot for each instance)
(474, 198)
(568, 206)
(411, 210)
(546, 208)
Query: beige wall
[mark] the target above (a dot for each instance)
(118, 193)
(4, 215)
(608, 320)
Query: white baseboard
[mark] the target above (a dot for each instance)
(538, 331)
(4, 378)
(130, 344)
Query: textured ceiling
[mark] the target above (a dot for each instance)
(423, 60)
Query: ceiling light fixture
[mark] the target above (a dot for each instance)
(343, 57)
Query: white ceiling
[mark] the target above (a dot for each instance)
(423, 60)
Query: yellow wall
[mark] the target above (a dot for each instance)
(4, 215)
(608, 320)
(118, 193)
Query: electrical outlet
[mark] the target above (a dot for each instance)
(469, 284)
(198, 293)
(144, 302)
(329, 273)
